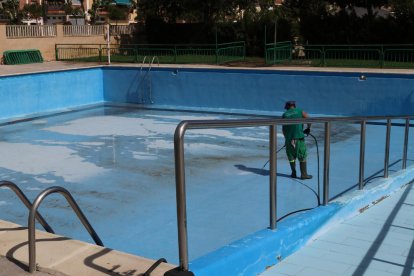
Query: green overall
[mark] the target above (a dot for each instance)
(294, 137)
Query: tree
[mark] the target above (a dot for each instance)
(403, 19)
(94, 11)
(116, 13)
(68, 8)
(403, 9)
(206, 11)
(78, 12)
(10, 8)
(32, 11)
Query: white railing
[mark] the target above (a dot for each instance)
(22, 31)
(83, 30)
(121, 29)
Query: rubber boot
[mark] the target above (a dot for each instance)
(293, 168)
(303, 172)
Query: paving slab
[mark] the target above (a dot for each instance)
(57, 255)
(9, 268)
(67, 65)
(366, 244)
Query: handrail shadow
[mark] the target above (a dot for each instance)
(370, 255)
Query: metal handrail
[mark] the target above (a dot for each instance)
(152, 61)
(143, 63)
(31, 223)
(26, 202)
(272, 123)
(142, 78)
(150, 79)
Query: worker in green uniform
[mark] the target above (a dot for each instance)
(295, 139)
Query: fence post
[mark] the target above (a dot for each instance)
(100, 53)
(56, 53)
(382, 57)
(323, 57)
(244, 50)
(136, 53)
(216, 46)
(265, 38)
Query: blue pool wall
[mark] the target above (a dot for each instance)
(265, 91)
(229, 90)
(27, 94)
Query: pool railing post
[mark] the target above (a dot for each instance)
(387, 148)
(272, 178)
(362, 154)
(327, 147)
(182, 270)
(406, 133)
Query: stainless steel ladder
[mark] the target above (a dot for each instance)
(35, 215)
(145, 78)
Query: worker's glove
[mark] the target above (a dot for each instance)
(307, 131)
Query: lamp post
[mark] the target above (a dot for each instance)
(108, 42)
(275, 11)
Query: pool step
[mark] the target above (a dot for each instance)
(59, 255)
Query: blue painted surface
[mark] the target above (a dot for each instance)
(240, 91)
(231, 90)
(39, 93)
(264, 92)
(251, 254)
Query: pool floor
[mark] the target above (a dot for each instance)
(118, 163)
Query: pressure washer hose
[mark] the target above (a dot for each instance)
(317, 156)
(317, 194)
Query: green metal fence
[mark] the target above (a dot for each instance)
(204, 54)
(374, 56)
(401, 58)
(14, 57)
(280, 52)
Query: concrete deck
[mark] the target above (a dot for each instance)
(62, 65)
(57, 255)
(379, 241)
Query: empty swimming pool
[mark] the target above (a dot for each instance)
(118, 163)
(117, 159)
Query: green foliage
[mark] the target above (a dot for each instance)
(10, 8)
(32, 11)
(68, 8)
(207, 11)
(116, 13)
(313, 21)
(94, 11)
